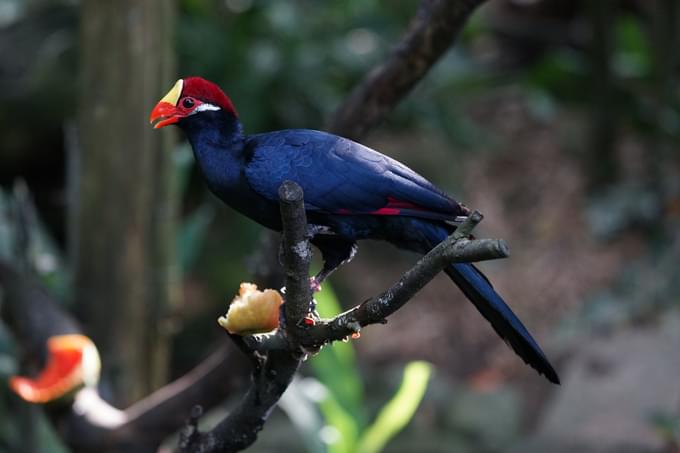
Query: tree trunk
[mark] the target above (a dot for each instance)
(123, 218)
(601, 163)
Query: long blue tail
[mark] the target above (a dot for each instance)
(478, 289)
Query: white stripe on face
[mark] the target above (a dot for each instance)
(205, 107)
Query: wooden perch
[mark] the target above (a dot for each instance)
(457, 248)
(283, 350)
(239, 429)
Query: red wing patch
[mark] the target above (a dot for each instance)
(386, 211)
(399, 204)
(393, 207)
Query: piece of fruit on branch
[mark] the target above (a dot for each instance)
(252, 311)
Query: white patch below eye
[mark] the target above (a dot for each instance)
(205, 107)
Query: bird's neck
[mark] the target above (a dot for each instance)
(218, 143)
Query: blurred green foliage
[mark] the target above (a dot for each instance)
(668, 428)
(336, 366)
(397, 413)
(339, 395)
(304, 56)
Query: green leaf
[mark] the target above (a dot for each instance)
(341, 430)
(399, 411)
(299, 402)
(667, 426)
(632, 53)
(335, 365)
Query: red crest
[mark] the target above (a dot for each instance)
(201, 89)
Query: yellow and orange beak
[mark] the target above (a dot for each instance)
(166, 110)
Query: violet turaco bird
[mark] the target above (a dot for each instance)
(351, 193)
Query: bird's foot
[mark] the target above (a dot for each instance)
(313, 230)
(309, 320)
(312, 316)
(315, 284)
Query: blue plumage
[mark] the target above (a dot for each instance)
(479, 291)
(338, 174)
(353, 193)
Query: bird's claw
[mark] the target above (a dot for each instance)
(315, 284)
(308, 321)
(313, 230)
(312, 317)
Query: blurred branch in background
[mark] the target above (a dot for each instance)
(432, 31)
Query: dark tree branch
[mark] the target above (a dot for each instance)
(208, 384)
(377, 309)
(457, 248)
(431, 32)
(297, 254)
(240, 428)
(242, 343)
(267, 341)
(284, 349)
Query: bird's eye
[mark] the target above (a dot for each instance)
(188, 103)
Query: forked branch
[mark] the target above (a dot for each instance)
(284, 349)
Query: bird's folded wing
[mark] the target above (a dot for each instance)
(340, 176)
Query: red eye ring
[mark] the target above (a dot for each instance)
(188, 103)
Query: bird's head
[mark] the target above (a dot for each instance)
(190, 96)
